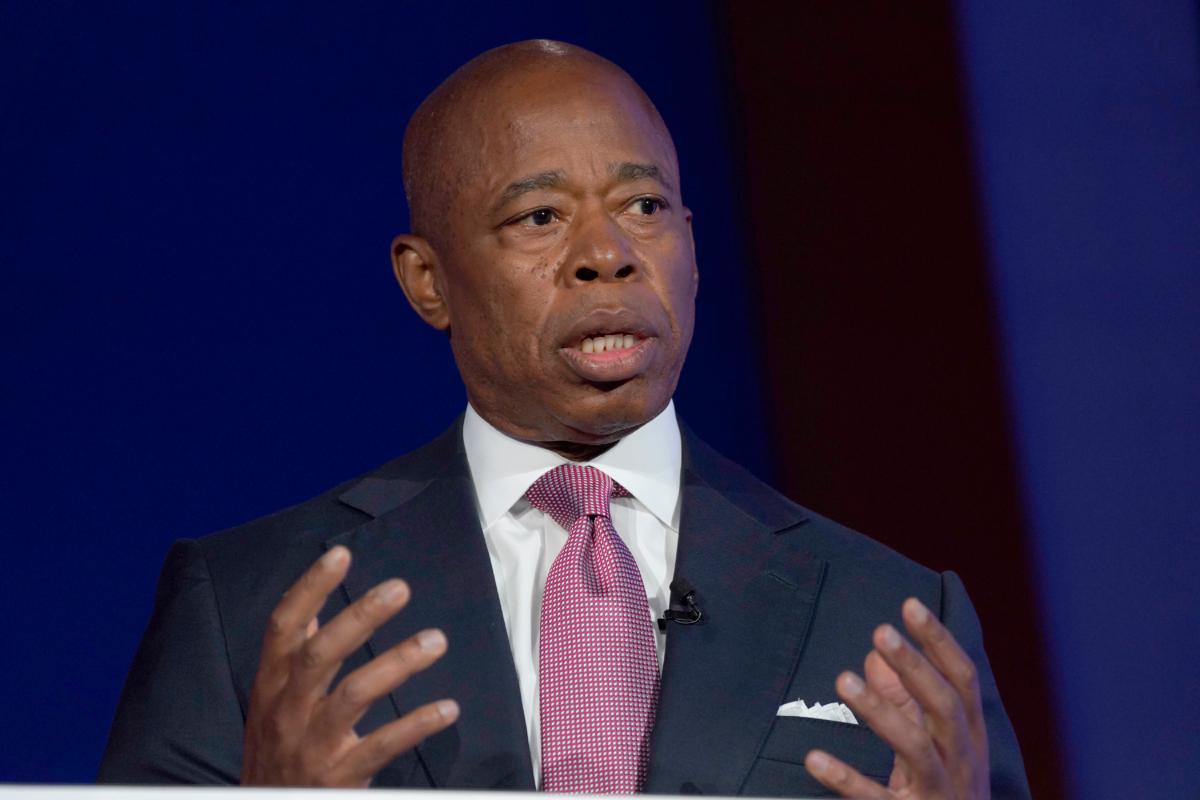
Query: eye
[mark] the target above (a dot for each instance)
(537, 218)
(648, 205)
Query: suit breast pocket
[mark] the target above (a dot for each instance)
(779, 769)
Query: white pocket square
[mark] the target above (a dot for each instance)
(833, 712)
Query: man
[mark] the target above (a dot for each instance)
(539, 536)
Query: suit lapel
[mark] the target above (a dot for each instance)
(427, 532)
(724, 678)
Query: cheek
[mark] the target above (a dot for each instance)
(504, 315)
(679, 279)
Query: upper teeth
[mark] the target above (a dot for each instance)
(609, 341)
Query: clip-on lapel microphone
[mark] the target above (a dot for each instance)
(683, 608)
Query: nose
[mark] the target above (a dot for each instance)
(600, 251)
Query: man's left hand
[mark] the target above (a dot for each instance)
(925, 704)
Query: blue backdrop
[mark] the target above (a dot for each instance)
(200, 324)
(1087, 120)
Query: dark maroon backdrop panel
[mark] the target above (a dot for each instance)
(883, 377)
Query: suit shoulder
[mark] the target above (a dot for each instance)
(841, 545)
(317, 518)
(304, 527)
(822, 536)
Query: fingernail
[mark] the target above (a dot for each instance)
(448, 709)
(852, 684)
(335, 557)
(918, 611)
(392, 591)
(818, 761)
(431, 639)
(889, 638)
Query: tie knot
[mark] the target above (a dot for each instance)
(571, 491)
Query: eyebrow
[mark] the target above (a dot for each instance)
(550, 179)
(629, 171)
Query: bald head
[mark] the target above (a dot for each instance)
(546, 211)
(451, 129)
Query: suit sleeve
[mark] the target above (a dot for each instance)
(178, 719)
(1008, 769)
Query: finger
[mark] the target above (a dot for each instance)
(345, 705)
(940, 702)
(943, 650)
(841, 777)
(907, 739)
(883, 679)
(374, 752)
(316, 662)
(291, 620)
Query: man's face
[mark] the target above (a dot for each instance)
(567, 262)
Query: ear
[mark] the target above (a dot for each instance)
(415, 264)
(687, 216)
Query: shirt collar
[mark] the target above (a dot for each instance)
(647, 462)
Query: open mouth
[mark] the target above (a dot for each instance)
(607, 345)
(609, 342)
(609, 357)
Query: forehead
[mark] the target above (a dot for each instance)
(579, 124)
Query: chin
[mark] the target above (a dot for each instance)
(606, 415)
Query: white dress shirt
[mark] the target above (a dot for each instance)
(523, 541)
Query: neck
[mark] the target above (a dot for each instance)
(559, 436)
(574, 451)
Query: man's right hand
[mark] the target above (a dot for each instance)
(298, 733)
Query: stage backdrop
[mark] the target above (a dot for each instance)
(1086, 121)
(948, 295)
(200, 324)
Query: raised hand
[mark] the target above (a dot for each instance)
(926, 705)
(298, 732)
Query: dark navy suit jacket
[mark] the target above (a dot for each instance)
(789, 599)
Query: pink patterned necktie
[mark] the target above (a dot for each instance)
(598, 666)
